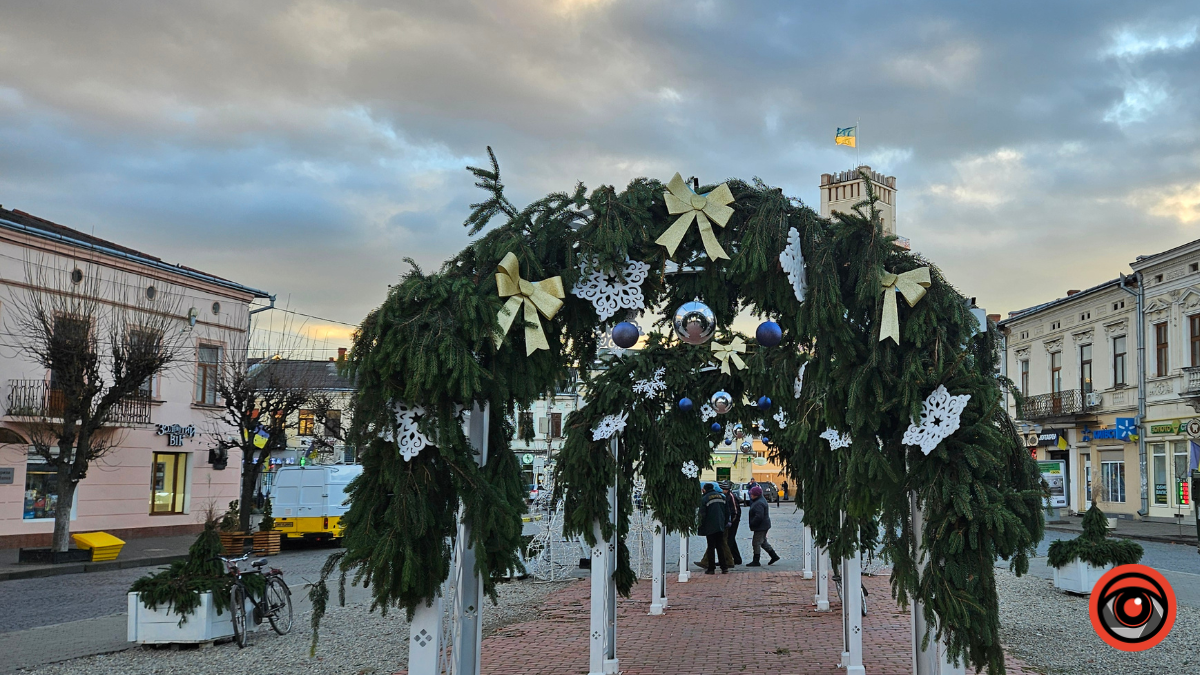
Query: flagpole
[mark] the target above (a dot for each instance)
(857, 143)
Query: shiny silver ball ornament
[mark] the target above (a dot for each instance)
(721, 402)
(746, 446)
(695, 322)
(739, 432)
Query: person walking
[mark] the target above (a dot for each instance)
(734, 510)
(760, 523)
(785, 491)
(712, 519)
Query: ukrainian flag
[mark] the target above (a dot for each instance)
(846, 136)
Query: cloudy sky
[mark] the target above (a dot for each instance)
(307, 147)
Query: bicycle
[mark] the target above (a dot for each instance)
(837, 582)
(276, 606)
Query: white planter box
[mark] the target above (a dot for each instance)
(1078, 577)
(159, 626)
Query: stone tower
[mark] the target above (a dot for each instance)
(841, 191)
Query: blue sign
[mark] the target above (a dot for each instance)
(1123, 431)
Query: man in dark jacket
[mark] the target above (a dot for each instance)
(733, 513)
(760, 522)
(712, 527)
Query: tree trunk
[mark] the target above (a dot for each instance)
(249, 481)
(62, 512)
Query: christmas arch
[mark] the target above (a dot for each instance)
(875, 382)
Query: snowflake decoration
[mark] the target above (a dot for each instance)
(836, 440)
(605, 290)
(408, 437)
(650, 388)
(792, 260)
(781, 419)
(690, 469)
(798, 385)
(707, 412)
(611, 424)
(939, 419)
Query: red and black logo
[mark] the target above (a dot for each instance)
(1132, 607)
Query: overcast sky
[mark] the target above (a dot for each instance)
(305, 148)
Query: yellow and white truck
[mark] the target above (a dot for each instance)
(308, 501)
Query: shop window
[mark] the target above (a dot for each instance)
(41, 486)
(1159, 472)
(1112, 475)
(1181, 473)
(170, 481)
(307, 423)
(333, 423)
(1119, 361)
(209, 359)
(1160, 349)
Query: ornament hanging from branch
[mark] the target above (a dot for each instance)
(408, 437)
(836, 440)
(607, 292)
(781, 419)
(611, 424)
(911, 285)
(792, 261)
(704, 208)
(707, 412)
(651, 387)
(798, 385)
(939, 418)
(690, 469)
(542, 297)
(729, 352)
(694, 322)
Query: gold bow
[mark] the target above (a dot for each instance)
(912, 285)
(725, 353)
(542, 296)
(701, 208)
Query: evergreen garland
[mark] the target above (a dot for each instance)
(1093, 546)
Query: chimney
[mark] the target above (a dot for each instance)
(341, 353)
(994, 318)
(1070, 293)
(331, 359)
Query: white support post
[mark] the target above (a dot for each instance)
(852, 615)
(806, 545)
(425, 639)
(658, 586)
(931, 660)
(602, 643)
(468, 597)
(684, 553)
(821, 599)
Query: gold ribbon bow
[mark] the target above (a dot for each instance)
(542, 296)
(726, 353)
(701, 208)
(912, 285)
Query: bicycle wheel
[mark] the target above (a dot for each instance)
(279, 605)
(237, 608)
(864, 600)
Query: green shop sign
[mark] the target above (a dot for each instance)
(1172, 427)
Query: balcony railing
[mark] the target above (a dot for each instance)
(35, 398)
(1192, 381)
(1058, 404)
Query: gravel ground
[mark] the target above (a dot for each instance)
(353, 642)
(1050, 630)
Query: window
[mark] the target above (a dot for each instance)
(143, 345)
(1194, 267)
(1024, 335)
(206, 374)
(170, 476)
(1158, 278)
(1118, 305)
(555, 425)
(41, 486)
(1194, 332)
(1056, 372)
(308, 421)
(1085, 316)
(1160, 348)
(1055, 325)
(1159, 472)
(1112, 476)
(1025, 377)
(1085, 368)
(1119, 361)
(525, 424)
(333, 423)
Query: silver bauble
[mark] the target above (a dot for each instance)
(721, 402)
(695, 323)
(746, 447)
(739, 432)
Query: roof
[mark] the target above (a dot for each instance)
(1144, 261)
(1023, 313)
(19, 221)
(301, 374)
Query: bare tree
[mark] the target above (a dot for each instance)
(100, 341)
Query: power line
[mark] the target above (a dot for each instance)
(318, 318)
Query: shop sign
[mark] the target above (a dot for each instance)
(527, 458)
(1053, 472)
(1124, 430)
(1055, 437)
(1193, 427)
(1182, 497)
(175, 433)
(1172, 427)
(6, 475)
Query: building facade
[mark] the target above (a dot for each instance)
(545, 422)
(156, 479)
(841, 191)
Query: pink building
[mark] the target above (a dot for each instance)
(157, 480)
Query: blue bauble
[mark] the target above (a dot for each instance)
(764, 402)
(765, 439)
(728, 441)
(625, 335)
(685, 404)
(768, 334)
(716, 426)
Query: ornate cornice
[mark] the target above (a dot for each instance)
(1083, 337)
(1117, 328)
(1022, 352)
(1053, 345)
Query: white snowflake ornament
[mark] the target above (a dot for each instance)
(611, 424)
(781, 419)
(408, 438)
(792, 260)
(605, 290)
(798, 385)
(939, 418)
(651, 387)
(836, 440)
(707, 412)
(690, 469)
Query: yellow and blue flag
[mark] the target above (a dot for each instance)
(847, 136)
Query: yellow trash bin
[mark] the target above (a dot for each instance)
(104, 546)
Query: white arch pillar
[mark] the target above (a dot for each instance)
(658, 584)
(684, 545)
(821, 599)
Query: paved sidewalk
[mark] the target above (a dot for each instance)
(1145, 530)
(136, 553)
(743, 622)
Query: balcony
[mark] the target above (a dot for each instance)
(1058, 404)
(1191, 387)
(34, 398)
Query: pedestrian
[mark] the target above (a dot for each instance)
(760, 523)
(712, 519)
(734, 511)
(785, 491)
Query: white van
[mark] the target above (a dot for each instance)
(308, 502)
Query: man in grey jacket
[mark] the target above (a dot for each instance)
(760, 523)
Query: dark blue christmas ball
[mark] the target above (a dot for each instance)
(768, 334)
(685, 404)
(766, 440)
(716, 426)
(728, 441)
(625, 335)
(764, 402)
